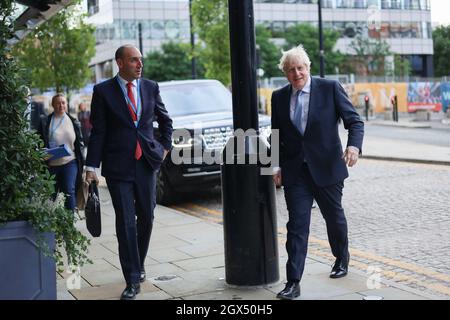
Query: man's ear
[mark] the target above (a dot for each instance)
(119, 63)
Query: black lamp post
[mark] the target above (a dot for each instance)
(191, 27)
(141, 47)
(321, 51)
(249, 208)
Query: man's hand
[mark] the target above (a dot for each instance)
(165, 154)
(351, 156)
(277, 178)
(91, 176)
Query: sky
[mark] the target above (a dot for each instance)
(440, 11)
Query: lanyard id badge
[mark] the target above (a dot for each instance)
(53, 128)
(136, 108)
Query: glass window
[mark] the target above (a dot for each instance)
(412, 4)
(375, 3)
(128, 29)
(196, 98)
(157, 29)
(185, 29)
(396, 4)
(172, 29)
(92, 7)
(328, 4)
(395, 30)
(359, 4)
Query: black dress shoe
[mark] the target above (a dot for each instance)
(291, 291)
(131, 291)
(340, 268)
(142, 276)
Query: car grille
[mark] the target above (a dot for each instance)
(216, 138)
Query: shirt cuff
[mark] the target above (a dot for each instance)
(356, 149)
(88, 168)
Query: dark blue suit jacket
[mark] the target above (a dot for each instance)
(320, 145)
(113, 137)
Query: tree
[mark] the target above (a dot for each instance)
(308, 36)
(270, 53)
(158, 65)
(369, 58)
(211, 24)
(441, 45)
(26, 186)
(402, 66)
(57, 54)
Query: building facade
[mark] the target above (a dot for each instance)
(404, 24)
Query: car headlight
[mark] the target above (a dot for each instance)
(183, 142)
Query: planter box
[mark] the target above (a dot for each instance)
(25, 272)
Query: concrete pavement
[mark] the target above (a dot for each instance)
(186, 255)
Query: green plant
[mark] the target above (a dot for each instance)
(26, 186)
(57, 53)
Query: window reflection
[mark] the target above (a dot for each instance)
(361, 4)
(350, 29)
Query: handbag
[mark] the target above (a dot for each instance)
(92, 211)
(82, 192)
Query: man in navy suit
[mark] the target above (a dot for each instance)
(123, 142)
(312, 162)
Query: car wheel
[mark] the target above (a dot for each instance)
(165, 194)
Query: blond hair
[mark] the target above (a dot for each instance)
(296, 54)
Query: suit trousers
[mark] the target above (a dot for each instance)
(134, 203)
(299, 198)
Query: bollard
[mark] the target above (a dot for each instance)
(394, 102)
(366, 100)
(395, 109)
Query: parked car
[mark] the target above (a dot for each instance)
(207, 106)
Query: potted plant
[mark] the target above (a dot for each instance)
(34, 230)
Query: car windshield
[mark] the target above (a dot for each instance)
(196, 98)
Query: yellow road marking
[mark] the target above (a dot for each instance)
(355, 252)
(384, 260)
(391, 275)
(196, 214)
(211, 211)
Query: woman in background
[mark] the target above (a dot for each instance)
(57, 129)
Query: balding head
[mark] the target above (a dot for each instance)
(129, 61)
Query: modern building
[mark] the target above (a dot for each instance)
(404, 24)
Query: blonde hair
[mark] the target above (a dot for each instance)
(58, 95)
(296, 54)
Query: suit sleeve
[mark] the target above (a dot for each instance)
(164, 121)
(275, 125)
(98, 133)
(352, 120)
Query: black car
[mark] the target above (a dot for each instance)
(202, 109)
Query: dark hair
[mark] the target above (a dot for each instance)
(121, 49)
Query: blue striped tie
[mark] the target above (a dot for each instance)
(298, 112)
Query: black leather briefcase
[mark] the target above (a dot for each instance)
(92, 211)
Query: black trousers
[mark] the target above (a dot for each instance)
(134, 202)
(299, 198)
